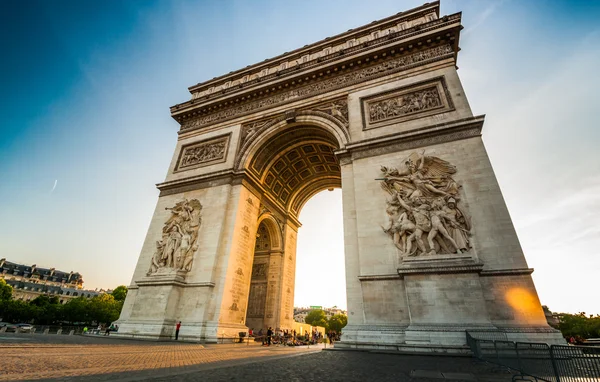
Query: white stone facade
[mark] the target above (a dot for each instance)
(333, 122)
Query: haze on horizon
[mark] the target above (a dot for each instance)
(86, 131)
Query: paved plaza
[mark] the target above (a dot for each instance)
(92, 358)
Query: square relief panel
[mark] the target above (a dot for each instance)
(203, 153)
(411, 102)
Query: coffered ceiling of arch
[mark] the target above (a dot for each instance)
(290, 163)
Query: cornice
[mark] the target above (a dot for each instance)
(347, 61)
(368, 29)
(226, 177)
(324, 81)
(427, 136)
(440, 268)
(506, 272)
(379, 277)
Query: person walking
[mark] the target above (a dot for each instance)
(269, 335)
(177, 327)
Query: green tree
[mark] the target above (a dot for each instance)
(579, 325)
(316, 317)
(120, 293)
(337, 322)
(5, 291)
(104, 308)
(76, 310)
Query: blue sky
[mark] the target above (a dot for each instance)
(86, 132)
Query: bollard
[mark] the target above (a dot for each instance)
(59, 331)
(46, 331)
(71, 332)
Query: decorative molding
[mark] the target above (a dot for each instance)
(407, 103)
(439, 269)
(393, 65)
(363, 39)
(335, 110)
(453, 327)
(378, 277)
(203, 153)
(412, 141)
(507, 272)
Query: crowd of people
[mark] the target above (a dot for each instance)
(291, 338)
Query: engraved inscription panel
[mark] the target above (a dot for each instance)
(415, 101)
(203, 153)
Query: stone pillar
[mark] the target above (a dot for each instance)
(288, 275)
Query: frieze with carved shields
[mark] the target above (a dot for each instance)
(179, 239)
(424, 211)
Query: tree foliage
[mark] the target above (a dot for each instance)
(46, 310)
(337, 322)
(120, 293)
(5, 291)
(316, 317)
(579, 325)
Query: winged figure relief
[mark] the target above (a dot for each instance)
(423, 211)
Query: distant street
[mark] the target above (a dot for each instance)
(91, 358)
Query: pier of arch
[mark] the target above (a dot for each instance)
(430, 249)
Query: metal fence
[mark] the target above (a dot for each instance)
(551, 363)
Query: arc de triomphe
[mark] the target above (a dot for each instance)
(430, 249)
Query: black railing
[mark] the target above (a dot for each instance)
(551, 363)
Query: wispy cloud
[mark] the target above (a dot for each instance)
(484, 16)
(54, 187)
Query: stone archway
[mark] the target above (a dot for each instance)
(290, 161)
(380, 111)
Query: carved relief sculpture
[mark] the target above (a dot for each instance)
(424, 202)
(410, 103)
(203, 153)
(179, 236)
(385, 68)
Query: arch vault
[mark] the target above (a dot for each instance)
(380, 112)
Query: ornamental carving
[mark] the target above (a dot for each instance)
(203, 153)
(406, 104)
(417, 100)
(396, 64)
(259, 271)
(425, 216)
(336, 109)
(176, 249)
(355, 44)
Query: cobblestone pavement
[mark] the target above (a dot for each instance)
(89, 358)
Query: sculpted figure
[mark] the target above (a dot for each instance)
(422, 224)
(179, 236)
(172, 245)
(458, 224)
(438, 227)
(421, 176)
(425, 200)
(400, 227)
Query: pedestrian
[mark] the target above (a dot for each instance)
(269, 334)
(251, 332)
(177, 327)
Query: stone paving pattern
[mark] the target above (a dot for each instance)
(90, 358)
